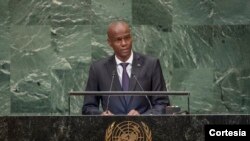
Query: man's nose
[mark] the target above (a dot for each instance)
(123, 42)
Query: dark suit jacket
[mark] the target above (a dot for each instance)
(147, 71)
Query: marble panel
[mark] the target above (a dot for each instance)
(193, 12)
(4, 70)
(153, 12)
(70, 12)
(232, 87)
(231, 12)
(5, 43)
(25, 12)
(192, 46)
(5, 88)
(31, 59)
(72, 45)
(46, 47)
(64, 81)
(4, 13)
(151, 41)
(199, 82)
(100, 47)
(108, 10)
(231, 46)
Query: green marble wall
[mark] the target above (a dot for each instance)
(46, 47)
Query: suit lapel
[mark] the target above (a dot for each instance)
(111, 68)
(137, 64)
(136, 68)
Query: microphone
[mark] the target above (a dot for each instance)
(150, 104)
(110, 89)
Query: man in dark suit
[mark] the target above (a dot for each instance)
(126, 70)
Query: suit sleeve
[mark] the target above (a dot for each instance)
(159, 103)
(91, 103)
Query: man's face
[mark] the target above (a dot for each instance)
(120, 39)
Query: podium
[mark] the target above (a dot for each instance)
(95, 128)
(114, 128)
(169, 109)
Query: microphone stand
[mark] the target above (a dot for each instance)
(110, 89)
(150, 104)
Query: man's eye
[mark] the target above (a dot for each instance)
(128, 37)
(118, 39)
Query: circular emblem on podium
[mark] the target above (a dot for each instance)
(128, 131)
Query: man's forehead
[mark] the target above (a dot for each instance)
(116, 27)
(121, 35)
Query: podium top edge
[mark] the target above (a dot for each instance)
(135, 93)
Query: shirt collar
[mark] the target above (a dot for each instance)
(130, 59)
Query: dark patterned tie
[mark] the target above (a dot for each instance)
(125, 80)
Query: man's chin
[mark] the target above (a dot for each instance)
(126, 52)
(126, 55)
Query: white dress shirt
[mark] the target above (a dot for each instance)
(128, 68)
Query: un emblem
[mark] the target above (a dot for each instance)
(128, 131)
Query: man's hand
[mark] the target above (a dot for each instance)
(133, 113)
(107, 113)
